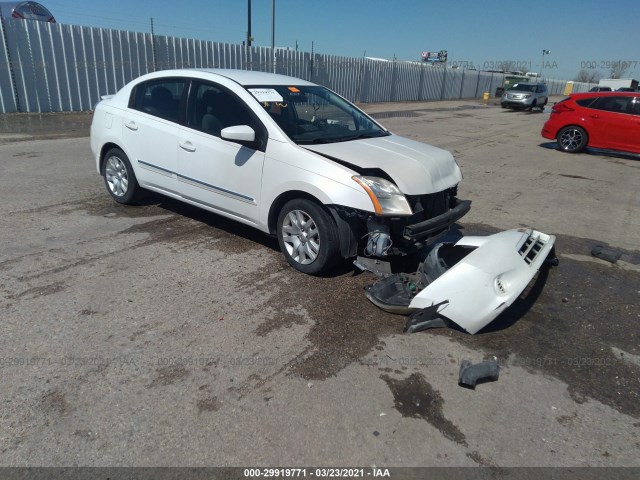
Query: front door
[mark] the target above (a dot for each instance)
(218, 173)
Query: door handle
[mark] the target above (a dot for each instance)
(131, 125)
(595, 115)
(188, 146)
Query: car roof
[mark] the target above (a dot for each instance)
(603, 94)
(243, 77)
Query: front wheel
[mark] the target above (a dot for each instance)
(307, 236)
(119, 177)
(572, 139)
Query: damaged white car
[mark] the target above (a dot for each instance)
(296, 160)
(283, 155)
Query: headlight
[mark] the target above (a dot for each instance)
(527, 96)
(386, 197)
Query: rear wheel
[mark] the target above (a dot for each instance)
(307, 236)
(572, 139)
(119, 177)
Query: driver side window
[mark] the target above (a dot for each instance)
(213, 108)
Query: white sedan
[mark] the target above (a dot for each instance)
(283, 155)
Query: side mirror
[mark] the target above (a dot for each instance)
(239, 133)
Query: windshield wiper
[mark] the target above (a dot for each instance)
(362, 136)
(341, 139)
(319, 140)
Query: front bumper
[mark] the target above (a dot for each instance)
(470, 282)
(516, 103)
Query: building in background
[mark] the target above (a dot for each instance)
(26, 11)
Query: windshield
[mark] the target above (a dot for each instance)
(523, 87)
(313, 114)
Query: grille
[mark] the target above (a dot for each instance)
(531, 248)
(434, 204)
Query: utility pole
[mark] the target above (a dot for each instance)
(249, 24)
(273, 33)
(153, 47)
(311, 63)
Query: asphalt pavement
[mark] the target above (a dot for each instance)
(163, 335)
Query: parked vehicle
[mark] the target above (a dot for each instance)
(525, 96)
(600, 89)
(600, 120)
(286, 156)
(618, 83)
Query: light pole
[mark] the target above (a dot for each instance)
(544, 52)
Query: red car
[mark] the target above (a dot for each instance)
(607, 120)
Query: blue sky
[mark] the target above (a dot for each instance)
(588, 34)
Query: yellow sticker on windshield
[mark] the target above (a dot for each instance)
(293, 89)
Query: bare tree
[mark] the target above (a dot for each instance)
(588, 76)
(619, 69)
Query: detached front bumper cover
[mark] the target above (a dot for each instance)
(470, 282)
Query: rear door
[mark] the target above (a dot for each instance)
(542, 95)
(150, 131)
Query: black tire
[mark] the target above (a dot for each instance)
(119, 177)
(308, 249)
(533, 105)
(572, 139)
(543, 105)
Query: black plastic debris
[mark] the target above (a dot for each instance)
(605, 253)
(483, 372)
(425, 318)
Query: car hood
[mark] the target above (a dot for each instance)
(519, 92)
(416, 168)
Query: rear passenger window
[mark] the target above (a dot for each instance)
(585, 102)
(161, 98)
(613, 104)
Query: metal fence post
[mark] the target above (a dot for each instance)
(444, 81)
(394, 80)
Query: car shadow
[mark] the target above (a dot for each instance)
(596, 151)
(232, 227)
(209, 218)
(523, 110)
